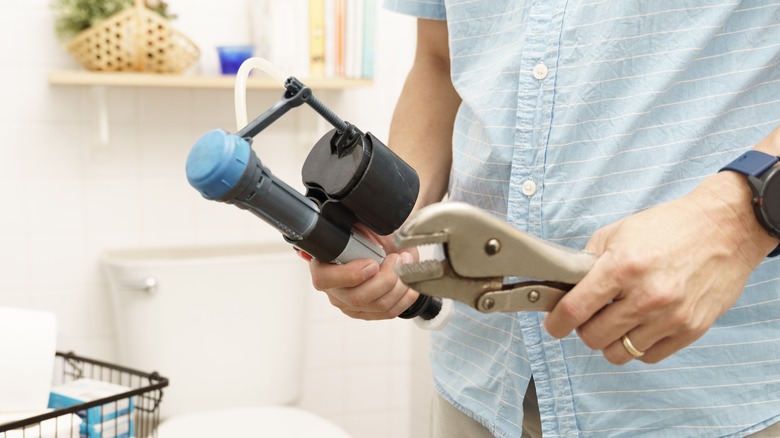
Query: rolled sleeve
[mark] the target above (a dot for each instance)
(429, 9)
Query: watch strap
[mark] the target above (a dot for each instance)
(754, 163)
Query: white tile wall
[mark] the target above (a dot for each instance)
(65, 200)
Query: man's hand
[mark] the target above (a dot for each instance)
(664, 275)
(422, 136)
(363, 289)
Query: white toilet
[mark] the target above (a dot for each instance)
(225, 325)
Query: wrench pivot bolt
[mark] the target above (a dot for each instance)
(492, 247)
(487, 304)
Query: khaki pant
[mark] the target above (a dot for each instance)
(448, 422)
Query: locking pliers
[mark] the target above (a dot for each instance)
(479, 252)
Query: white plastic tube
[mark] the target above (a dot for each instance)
(240, 88)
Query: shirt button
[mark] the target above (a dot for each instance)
(540, 71)
(529, 188)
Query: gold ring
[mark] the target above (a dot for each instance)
(633, 351)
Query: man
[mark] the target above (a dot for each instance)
(601, 126)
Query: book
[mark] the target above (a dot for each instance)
(317, 38)
(330, 38)
(353, 41)
(341, 17)
(358, 53)
(369, 38)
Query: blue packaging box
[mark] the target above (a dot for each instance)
(118, 427)
(87, 390)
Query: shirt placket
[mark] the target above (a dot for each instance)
(534, 111)
(534, 100)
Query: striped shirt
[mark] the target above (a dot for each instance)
(576, 113)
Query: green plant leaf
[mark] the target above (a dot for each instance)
(74, 16)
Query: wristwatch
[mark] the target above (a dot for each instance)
(764, 181)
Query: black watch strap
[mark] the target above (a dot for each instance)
(755, 164)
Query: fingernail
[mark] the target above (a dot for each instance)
(370, 270)
(303, 255)
(407, 258)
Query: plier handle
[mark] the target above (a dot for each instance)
(479, 252)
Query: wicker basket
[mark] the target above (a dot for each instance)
(134, 39)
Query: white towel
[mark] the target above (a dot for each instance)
(28, 342)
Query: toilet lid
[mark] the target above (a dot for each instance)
(250, 422)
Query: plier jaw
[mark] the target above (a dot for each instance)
(437, 278)
(479, 252)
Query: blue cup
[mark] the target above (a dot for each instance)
(231, 57)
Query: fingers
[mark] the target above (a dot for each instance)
(390, 306)
(325, 276)
(645, 340)
(656, 328)
(363, 289)
(577, 306)
(608, 304)
(605, 331)
(630, 346)
(609, 324)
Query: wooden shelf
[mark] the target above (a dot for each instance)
(140, 80)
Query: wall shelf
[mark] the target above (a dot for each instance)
(141, 80)
(98, 82)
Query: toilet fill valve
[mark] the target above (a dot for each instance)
(350, 177)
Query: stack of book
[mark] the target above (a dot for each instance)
(316, 38)
(111, 420)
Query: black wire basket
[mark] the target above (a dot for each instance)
(145, 396)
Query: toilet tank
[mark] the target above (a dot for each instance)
(223, 323)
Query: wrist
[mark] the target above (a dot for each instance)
(733, 208)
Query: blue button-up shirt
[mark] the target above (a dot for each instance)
(576, 113)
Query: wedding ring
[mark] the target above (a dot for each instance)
(633, 351)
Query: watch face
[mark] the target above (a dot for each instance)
(771, 197)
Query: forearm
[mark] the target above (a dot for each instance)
(421, 129)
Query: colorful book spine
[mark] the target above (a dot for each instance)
(330, 38)
(369, 38)
(317, 38)
(341, 17)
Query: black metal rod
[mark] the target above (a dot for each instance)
(271, 115)
(294, 86)
(326, 113)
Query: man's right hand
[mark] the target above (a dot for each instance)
(362, 288)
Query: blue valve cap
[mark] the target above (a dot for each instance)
(216, 163)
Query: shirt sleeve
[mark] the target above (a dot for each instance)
(429, 9)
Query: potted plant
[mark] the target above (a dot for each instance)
(123, 35)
